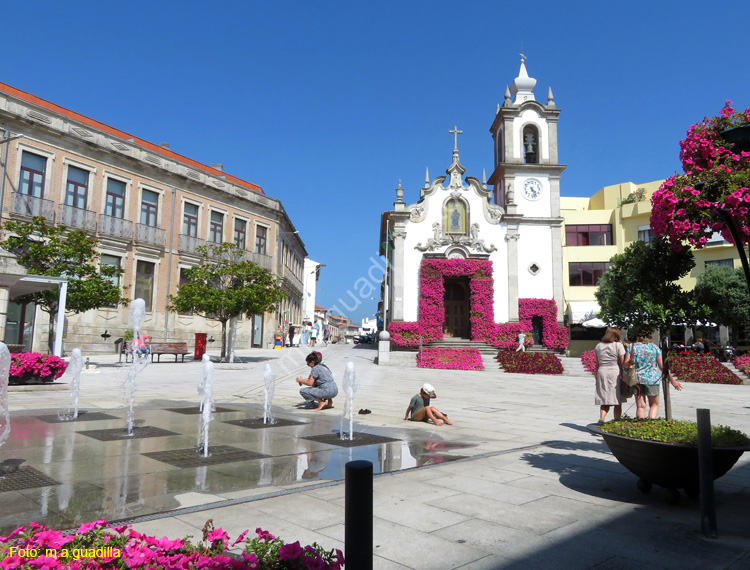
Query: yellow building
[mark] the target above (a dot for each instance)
(601, 226)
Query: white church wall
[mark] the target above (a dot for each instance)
(534, 247)
(499, 261)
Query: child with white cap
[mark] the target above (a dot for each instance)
(420, 410)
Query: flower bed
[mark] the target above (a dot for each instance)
(588, 357)
(94, 547)
(530, 362)
(450, 359)
(702, 368)
(742, 363)
(25, 367)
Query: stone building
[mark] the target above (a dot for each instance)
(150, 208)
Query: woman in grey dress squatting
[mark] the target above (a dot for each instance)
(609, 358)
(319, 386)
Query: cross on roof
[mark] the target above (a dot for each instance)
(455, 132)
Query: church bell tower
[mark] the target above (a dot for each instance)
(526, 184)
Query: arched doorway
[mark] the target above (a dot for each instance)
(457, 323)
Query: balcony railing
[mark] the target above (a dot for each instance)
(262, 261)
(150, 235)
(76, 218)
(190, 244)
(25, 205)
(288, 275)
(116, 227)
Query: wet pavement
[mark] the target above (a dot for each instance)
(92, 469)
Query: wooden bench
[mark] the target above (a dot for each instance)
(176, 348)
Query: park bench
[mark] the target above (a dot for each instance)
(176, 348)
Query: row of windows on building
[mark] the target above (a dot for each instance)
(32, 183)
(588, 274)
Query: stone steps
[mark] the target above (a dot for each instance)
(737, 372)
(482, 347)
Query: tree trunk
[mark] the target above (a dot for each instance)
(232, 338)
(223, 339)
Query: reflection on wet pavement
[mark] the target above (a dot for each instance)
(119, 478)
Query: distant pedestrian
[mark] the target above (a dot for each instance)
(313, 336)
(325, 337)
(521, 342)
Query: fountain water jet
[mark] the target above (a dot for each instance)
(4, 411)
(139, 361)
(269, 377)
(205, 389)
(350, 386)
(75, 366)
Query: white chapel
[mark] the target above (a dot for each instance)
(512, 227)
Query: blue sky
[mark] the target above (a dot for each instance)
(327, 105)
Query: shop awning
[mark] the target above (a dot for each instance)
(24, 284)
(580, 311)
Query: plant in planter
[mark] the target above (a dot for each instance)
(665, 452)
(35, 367)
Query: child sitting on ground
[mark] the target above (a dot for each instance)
(421, 410)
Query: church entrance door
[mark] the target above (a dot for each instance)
(457, 323)
(537, 328)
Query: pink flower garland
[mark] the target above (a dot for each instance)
(483, 327)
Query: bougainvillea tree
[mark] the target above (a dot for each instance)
(712, 195)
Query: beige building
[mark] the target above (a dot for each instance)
(150, 208)
(601, 226)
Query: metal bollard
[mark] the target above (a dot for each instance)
(358, 515)
(706, 473)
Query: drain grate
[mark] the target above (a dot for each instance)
(25, 478)
(257, 423)
(139, 432)
(82, 417)
(359, 439)
(218, 454)
(195, 410)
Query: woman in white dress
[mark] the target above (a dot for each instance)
(609, 358)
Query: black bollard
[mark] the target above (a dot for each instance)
(358, 515)
(706, 473)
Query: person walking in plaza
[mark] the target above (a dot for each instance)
(420, 410)
(325, 337)
(610, 355)
(521, 342)
(319, 386)
(647, 359)
(313, 336)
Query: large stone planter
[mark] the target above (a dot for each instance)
(670, 465)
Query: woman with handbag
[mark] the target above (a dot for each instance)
(646, 357)
(609, 359)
